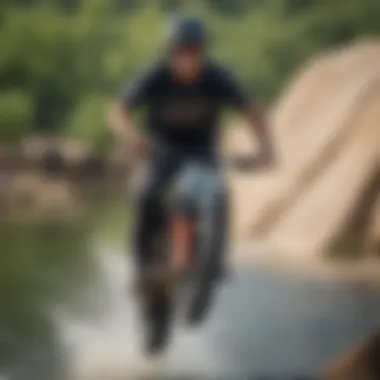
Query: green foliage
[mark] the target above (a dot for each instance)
(88, 122)
(15, 115)
(69, 57)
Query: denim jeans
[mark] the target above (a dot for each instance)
(197, 184)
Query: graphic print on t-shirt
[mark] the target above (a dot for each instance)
(185, 112)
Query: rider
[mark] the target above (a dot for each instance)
(183, 94)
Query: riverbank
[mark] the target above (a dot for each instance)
(57, 155)
(45, 176)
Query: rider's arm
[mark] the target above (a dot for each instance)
(121, 121)
(136, 94)
(122, 124)
(260, 128)
(236, 96)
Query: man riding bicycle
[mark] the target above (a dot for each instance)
(183, 93)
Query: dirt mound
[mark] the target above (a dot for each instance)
(328, 141)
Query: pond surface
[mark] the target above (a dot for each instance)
(65, 312)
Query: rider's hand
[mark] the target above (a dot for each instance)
(266, 158)
(138, 146)
(141, 148)
(245, 163)
(263, 160)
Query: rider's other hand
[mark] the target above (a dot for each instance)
(266, 159)
(142, 148)
(244, 163)
(138, 146)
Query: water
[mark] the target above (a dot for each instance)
(65, 313)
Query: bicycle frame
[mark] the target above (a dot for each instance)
(196, 192)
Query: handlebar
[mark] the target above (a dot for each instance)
(241, 163)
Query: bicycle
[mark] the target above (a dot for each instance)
(192, 278)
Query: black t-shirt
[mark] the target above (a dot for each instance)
(183, 115)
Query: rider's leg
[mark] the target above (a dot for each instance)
(220, 234)
(150, 210)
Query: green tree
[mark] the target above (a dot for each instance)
(61, 59)
(15, 115)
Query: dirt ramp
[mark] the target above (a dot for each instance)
(329, 200)
(316, 121)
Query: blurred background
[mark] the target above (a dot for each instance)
(305, 237)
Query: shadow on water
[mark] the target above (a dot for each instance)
(64, 313)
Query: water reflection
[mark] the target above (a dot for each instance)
(65, 313)
(44, 264)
